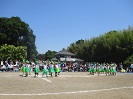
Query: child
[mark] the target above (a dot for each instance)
(51, 68)
(107, 70)
(26, 70)
(23, 69)
(29, 69)
(45, 70)
(57, 70)
(90, 69)
(114, 69)
(98, 69)
(36, 70)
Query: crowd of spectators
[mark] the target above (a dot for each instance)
(64, 66)
(10, 66)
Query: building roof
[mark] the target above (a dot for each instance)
(65, 53)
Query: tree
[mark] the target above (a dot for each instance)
(10, 52)
(113, 46)
(129, 60)
(50, 54)
(15, 32)
(41, 57)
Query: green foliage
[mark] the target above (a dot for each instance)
(50, 54)
(41, 57)
(15, 32)
(47, 56)
(114, 46)
(10, 52)
(129, 60)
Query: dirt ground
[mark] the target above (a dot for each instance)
(68, 85)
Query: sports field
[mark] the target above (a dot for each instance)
(68, 85)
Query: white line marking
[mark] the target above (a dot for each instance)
(47, 80)
(75, 92)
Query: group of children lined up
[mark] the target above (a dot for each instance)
(49, 67)
(108, 69)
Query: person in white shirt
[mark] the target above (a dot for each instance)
(1, 63)
(51, 68)
(45, 70)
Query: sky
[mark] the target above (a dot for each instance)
(58, 23)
